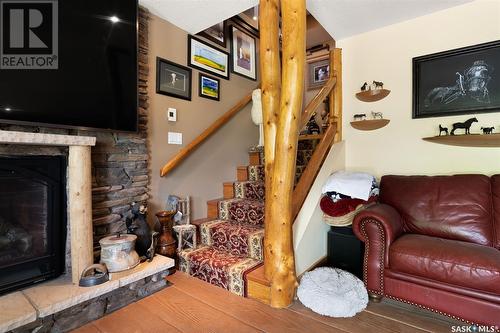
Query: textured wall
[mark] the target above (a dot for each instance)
(386, 55)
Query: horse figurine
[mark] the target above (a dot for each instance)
(376, 115)
(487, 130)
(378, 84)
(443, 129)
(359, 116)
(363, 87)
(465, 125)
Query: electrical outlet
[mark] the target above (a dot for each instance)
(174, 138)
(172, 114)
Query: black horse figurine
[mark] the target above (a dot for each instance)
(378, 84)
(465, 125)
(487, 130)
(363, 87)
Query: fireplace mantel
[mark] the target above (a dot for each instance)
(44, 139)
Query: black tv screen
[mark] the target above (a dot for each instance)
(69, 63)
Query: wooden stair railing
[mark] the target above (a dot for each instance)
(333, 89)
(187, 150)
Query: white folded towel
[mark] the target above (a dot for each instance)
(354, 184)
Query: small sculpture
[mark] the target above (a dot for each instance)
(312, 126)
(443, 129)
(359, 116)
(378, 84)
(487, 130)
(465, 125)
(363, 87)
(378, 115)
(138, 226)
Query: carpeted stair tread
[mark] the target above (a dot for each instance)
(217, 267)
(256, 172)
(242, 211)
(249, 190)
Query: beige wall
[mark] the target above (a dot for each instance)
(201, 175)
(386, 55)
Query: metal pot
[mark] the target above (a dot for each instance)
(118, 253)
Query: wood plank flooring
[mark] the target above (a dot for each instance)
(190, 305)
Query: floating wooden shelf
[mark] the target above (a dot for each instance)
(372, 95)
(471, 140)
(369, 125)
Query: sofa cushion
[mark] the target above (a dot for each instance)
(495, 191)
(453, 207)
(454, 262)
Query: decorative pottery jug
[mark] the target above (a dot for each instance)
(166, 241)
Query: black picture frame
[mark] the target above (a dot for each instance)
(236, 67)
(170, 71)
(244, 25)
(202, 81)
(457, 82)
(210, 34)
(211, 69)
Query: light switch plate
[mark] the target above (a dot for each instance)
(172, 114)
(174, 138)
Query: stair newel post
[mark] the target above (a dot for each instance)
(336, 93)
(271, 85)
(284, 280)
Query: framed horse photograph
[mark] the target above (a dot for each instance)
(460, 81)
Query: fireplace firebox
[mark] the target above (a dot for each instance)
(32, 220)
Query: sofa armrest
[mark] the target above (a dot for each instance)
(378, 227)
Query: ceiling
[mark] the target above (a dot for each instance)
(340, 18)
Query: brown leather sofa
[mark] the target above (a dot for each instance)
(434, 241)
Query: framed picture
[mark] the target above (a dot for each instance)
(246, 22)
(207, 58)
(173, 79)
(208, 87)
(216, 34)
(461, 81)
(318, 74)
(243, 54)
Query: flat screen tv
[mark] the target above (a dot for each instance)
(69, 63)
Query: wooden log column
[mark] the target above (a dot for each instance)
(284, 280)
(336, 93)
(271, 85)
(80, 209)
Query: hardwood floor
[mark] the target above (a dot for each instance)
(190, 305)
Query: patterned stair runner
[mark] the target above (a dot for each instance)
(232, 245)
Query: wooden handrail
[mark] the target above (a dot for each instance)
(317, 100)
(313, 166)
(333, 89)
(186, 151)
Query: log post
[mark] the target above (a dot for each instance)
(284, 280)
(80, 210)
(336, 93)
(270, 84)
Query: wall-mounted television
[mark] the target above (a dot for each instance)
(69, 63)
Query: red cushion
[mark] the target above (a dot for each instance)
(454, 262)
(453, 207)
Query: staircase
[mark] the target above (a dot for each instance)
(232, 234)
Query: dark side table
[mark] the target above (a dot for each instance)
(345, 250)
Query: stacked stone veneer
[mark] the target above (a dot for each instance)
(119, 160)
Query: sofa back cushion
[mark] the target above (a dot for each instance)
(495, 190)
(454, 207)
